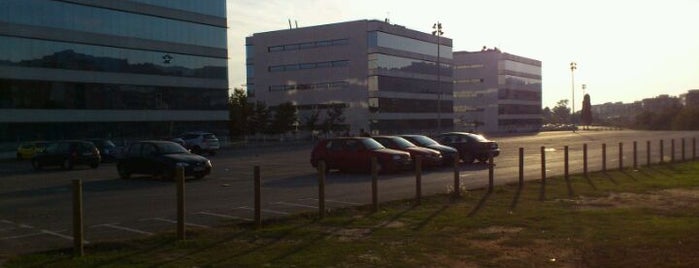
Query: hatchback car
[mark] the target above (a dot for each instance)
(160, 159)
(107, 149)
(199, 142)
(355, 153)
(470, 146)
(68, 154)
(27, 150)
(430, 158)
(448, 153)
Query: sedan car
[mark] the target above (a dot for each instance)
(430, 158)
(68, 154)
(107, 149)
(160, 159)
(448, 153)
(355, 153)
(27, 150)
(470, 146)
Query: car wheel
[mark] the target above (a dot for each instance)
(35, 164)
(123, 173)
(483, 159)
(67, 164)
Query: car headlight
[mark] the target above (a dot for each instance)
(182, 164)
(208, 163)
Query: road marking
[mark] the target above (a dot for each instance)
(20, 236)
(465, 175)
(223, 216)
(25, 226)
(113, 225)
(295, 205)
(171, 221)
(266, 210)
(333, 201)
(6, 221)
(61, 235)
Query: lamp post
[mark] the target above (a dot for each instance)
(573, 66)
(437, 30)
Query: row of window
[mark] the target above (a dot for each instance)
(512, 94)
(519, 109)
(309, 65)
(322, 85)
(519, 122)
(407, 65)
(397, 105)
(61, 55)
(408, 85)
(381, 39)
(308, 45)
(22, 94)
(69, 16)
(210, 7)
(408, 125)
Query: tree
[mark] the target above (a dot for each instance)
(687, 119)
(259, 120)
(311, 121)
(334, 120)
(561, 112)
(239, 113)
(586, 117)
(547, 115)
(284, 119)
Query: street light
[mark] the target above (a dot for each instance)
(437, 30)
(573, 66)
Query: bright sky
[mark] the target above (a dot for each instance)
(625, 50)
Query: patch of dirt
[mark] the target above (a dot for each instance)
(351, 234)
(670, 199)
(500, 230)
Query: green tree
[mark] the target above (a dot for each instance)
(284, 119)
(561, 112)
(686, 119)
(259, 120)
(311, 121)
(335, 118)
(586, 116)
(239, 113)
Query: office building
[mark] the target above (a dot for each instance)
(383, 76)
(102, 68)
(496, 92)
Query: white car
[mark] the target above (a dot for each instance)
(200, 142)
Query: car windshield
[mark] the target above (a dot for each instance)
(402, 143)
(423, 140)
(478, 137)
(171, 148)
(371, 144)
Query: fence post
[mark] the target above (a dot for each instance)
(179, 175)
(78, 226)
(647, 153)
(321, 189)
(521, 167)
(604, 157)
(418, 180)
(491, 166)
(457, 183)
(374, 184)
(621, 156)
(683, 149)
(635, 155)
(258, 193)
(694, 148)
(672, 150)
(566, 171)
(542, 193)
(662, 156)
(585, 159)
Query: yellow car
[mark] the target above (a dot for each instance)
(28, 150)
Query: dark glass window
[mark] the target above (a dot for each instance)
(408, 65)
(76, 17)
(312, 65)
(395, 105)
(209, 7)
(308, 45)
(23, 94)
(60, 55)
(381, 39)
(409, 85)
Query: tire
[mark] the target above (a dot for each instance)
(483, 159)
(67, 164)
(123, 173)
(35, 164)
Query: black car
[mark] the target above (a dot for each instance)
(470, 146)
(448, 153)
(160, 159)
(107, 149)
(68, 154)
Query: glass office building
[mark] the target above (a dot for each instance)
(128, 68)
(387, 78)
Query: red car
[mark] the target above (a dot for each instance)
(355, 153)
(430, 158)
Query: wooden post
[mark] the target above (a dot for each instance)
(672, 150)
(258, 197)
(78, 226)
(418, 180)
(491, 179)
(647, 153)
(374, 184)
(457, 180)
(635, 155)
(621, 156)
(566, 171)
(179, 176)
(521, 167)
(542, 193)
(662, 156)
(604, 157)
(683, 159)
(585, 159)
(321, 189)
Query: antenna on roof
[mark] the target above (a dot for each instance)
(297, 24)
(388, 15)
(290, 24)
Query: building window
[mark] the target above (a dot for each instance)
(308, 45)
(308, 66)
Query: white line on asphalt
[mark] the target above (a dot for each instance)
(26, 226)
(465, 175)
(294, 205)
(6, 221)
(222, 216)
(122, 228)
(59, 235)
(266, 210)
(171, 221)
(333, 201)
(20, 236)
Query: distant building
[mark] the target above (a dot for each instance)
(141, 68)
(385, 77)
(616, 113)
(496, 92)
(661, 102)
(691, 98)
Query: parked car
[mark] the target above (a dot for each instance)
(470, 146)
(27, 150)
(68, 154)
(199, 142)
(160, 159)
(430, 158)
(107, 149)
(448, 153)
(355, 153)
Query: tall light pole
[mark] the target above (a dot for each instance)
(573, 66)
(437, 30)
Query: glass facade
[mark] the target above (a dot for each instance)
(212, 7)
(408, 85)
(111, 22)
(407, 65)
(514, 66)
(381, 39)
(61, 55)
